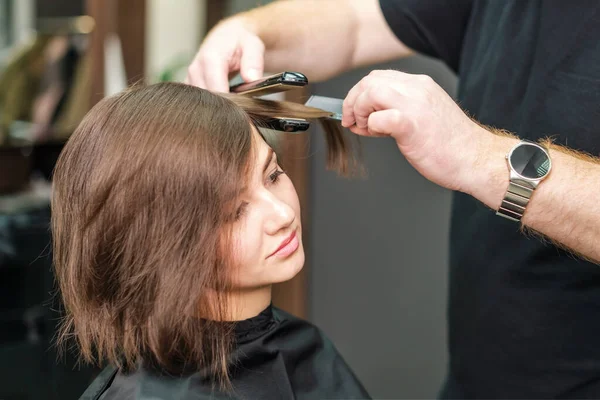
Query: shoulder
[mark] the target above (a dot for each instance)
(304, 343)
(146, 384)
(284, 317)
(308, 329)
(281, 315)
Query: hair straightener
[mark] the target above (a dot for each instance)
(277, 83)
(287, 124)
(282, 82)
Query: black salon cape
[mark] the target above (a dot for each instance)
(278, 357)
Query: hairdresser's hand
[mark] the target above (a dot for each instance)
(229, 47)
(431, 131)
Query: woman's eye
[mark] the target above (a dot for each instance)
(274, 177)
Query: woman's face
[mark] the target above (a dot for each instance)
(267, 237)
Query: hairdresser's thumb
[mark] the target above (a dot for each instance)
(388, 122)
(253, 58)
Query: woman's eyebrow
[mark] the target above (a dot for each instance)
(270, 155)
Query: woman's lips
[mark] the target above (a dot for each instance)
(287, 247)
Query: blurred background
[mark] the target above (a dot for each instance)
(375, 278)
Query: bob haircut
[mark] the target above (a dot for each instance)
(141, 223)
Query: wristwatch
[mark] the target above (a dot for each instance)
(528, 164)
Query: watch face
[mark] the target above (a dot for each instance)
(530, 161)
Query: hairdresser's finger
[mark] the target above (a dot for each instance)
(253, 58)
(194, 74)
(364, 132)
(375, 78)
(359, 131)
(194, 77)
(348, 105)
(390, 122)
(364, 106)
(215, 70)
(386, 77)
(375, 98)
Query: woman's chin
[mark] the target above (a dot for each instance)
(289, 268)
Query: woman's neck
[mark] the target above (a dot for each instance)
(241, 304)
(249, 303)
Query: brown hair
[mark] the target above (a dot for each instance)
(340, 152)
(140, 189)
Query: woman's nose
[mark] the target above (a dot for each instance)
(279, 214)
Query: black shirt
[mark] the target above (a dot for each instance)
(277, 356)
(524, 316)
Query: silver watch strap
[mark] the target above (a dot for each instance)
(515, 200)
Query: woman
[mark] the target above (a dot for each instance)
(171, 221)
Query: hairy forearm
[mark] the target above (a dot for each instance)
(323, 38)
(565, 207)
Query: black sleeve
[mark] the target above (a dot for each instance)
(432, 27)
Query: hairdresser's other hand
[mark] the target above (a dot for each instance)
(431, 131)
(229, 47)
